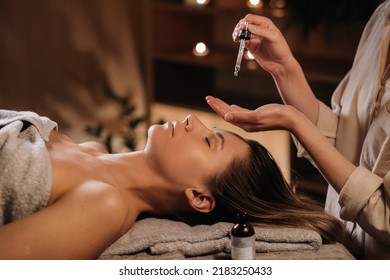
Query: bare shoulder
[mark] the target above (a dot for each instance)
(93, 147)
(79, 225)
(105, 203)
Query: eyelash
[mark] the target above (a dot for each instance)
(207, 141)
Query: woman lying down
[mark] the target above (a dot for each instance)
(63, 200)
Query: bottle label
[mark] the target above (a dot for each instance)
(243, 248)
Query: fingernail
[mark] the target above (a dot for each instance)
(228, 117)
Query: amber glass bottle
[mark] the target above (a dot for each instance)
(243, 239)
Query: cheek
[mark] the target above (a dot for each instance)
(190, 162)
(188, 166)
(174, 161)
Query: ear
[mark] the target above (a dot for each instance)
(200, 200)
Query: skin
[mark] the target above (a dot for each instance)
(272, 53)
(300, 112)
(335, 168)
(96, 197)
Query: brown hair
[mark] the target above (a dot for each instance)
(255, 185)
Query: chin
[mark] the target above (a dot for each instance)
(155, 136)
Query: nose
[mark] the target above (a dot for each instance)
(192, 122)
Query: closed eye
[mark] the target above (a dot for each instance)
(207, 141)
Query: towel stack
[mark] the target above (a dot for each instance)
(162, 236)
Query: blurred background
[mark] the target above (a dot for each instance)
(106, 69)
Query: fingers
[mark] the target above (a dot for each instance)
(243, 116)
(244, 120)
(236, 32)
(236, 115)
(239, 108)
(259, 21)
(219, 106)
(259, 26)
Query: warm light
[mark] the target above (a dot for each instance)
(251, 65)
(200, 49)
(249, 55)
(254, 3)
(279, 13)
(197, 2)
(279, 4)
(278, 8)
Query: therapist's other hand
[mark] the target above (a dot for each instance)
(267, 117)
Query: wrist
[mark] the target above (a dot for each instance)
(287, 69)
(300, 126)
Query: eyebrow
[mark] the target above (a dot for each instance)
(238, 136)
(220, 136)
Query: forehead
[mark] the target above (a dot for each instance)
(233, 141)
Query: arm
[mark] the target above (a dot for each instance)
(335, 168)
(364, 196)
(333, 165)
(80, 225)
(273, 54)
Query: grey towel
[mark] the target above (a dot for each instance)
(161, 236)
(25, 169)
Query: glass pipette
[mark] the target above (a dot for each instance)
(243, 36)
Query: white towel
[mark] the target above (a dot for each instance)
(162, 236)
(25, 169)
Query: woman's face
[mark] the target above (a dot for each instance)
(188, 152)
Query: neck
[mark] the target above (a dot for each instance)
(145, 189)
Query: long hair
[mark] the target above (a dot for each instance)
(255, 185)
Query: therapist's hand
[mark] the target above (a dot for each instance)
(332, 164)
(267, 43)
(267, 117)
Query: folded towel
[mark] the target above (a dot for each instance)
(25, 169)
(161, 236)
